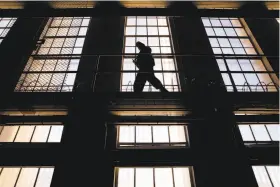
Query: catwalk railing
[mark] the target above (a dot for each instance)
(57, 73)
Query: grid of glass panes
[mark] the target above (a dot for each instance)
(153, 32)
(254, 133)
(46, 73)
(154, 177)
(31, 133)
(149, 136)
(30, 176)
(267, 176)
(5, 26)
(228, 37)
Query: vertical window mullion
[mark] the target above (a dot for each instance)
(18, 176)
(33, 133)
(16, 134)
(252, 132)
(265, 167)
(37, 175)
(268, 132)
(47, 140)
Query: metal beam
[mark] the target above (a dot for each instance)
(121, 11)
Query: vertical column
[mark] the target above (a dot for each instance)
(16, 49)
(265, 31)
(105, 38)
(218, 162)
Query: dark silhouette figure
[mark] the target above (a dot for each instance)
(145, 62)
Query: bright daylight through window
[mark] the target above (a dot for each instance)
(228, 37)
(47, 70)
(154, 177)
(267, 176)
(159, 136)
(30, 176)
(254, 133)
(154, 32)
(31, 133)
(5, 26)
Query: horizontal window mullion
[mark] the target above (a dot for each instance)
(42, 72)
(75, 36)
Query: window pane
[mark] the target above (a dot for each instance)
(9, 176)
(160, 134)
(246, 43)
(246, 133)
(245, 65)
(27, 177)
(126, 134)
(223, 42)
(230, 32)
(260, 133)
(182, 177)
(142, 39)
(130, 41)
(144, 177)
(152, 21)
(41, 133)
(274, 173)
(177, 133)
(45, 177)
(240, 32)
(126, 177)
(233, 65)
(221, 65)
(162, 22)
(163, 177)
(214, 42)
(141, 21)
(261, 176)
(165, 41)
(235, 22)
(235, 42)
(24, 133)
(219, 32)
(168, 64)
(131, 20)
(210, 31)
(143, 134)
(55, 134)
(215, 22)
(206, 22)
(226, 23)
(141, 31)
(274, 132)
(130, 31)
(8, 133)
(152, 31)
(163, 31)
(153, 41)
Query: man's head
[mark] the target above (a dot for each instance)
(140, 45)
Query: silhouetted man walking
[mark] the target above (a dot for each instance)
(145, 62)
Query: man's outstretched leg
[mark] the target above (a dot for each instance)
(139, 82)
(156, 83)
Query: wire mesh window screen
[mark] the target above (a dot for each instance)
(267, 176)
(228, 36)
(155, 33)
(26, 176)
(51, 68)
(254, 133)
(159, 136)
(31, 133)
(5, 26)
(154, 177)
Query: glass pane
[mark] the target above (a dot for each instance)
(163, 31)
(168, 64)
(238, 79)
(162, 22)
(221, 65)
(45, 177)
(141, 31)
(163, 177)
(235, 22)
(250, 51)
(141, 21)
(152, 21)
(274, 132)
(8, 133)
(274, 173)
(126, 134)
(177, 133)
(206, 22)
(223, 42)
(131, 20)
(230, 32)
(215, 22)
(235, 42)
(246, 43)
(210, 31)
(143, 134)
(165, 41)
(55, 134)
(240, 32)
(226, 22)
(260, 133)
(182, 177)
(80, 42)
(41, 133)
(130, 31)
(70, 79)
(152, 31)
(258, 65)
(130, 41)
(144, 177)
(83, 31)
(214, 42)
(261, 176)
(27, 177)
(246, 133)
(160, 134)
(24, 133)
(233, 65)
(219, 32)
(126, 177)
(245, 65)
(153, 41)
(9, 176)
